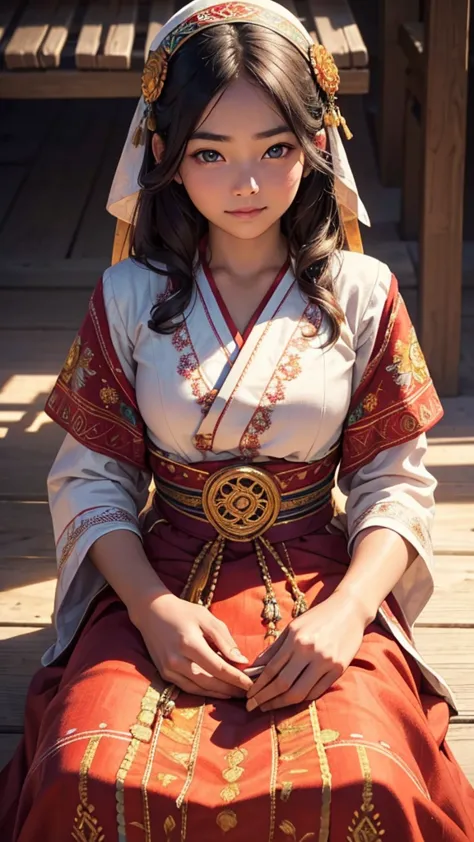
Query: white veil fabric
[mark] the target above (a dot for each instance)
(125, 187)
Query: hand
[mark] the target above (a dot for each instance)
(176, 633)
(312, 652)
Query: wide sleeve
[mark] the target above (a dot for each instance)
(100, 475)
(393, 405)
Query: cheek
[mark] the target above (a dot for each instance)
(291, 178)
(201, 183)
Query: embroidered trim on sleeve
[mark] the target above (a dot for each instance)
(395, 511)
(76, 530)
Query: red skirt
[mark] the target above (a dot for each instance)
(366, 762)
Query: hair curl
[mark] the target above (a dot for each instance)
(167, 226)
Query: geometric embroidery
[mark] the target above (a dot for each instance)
(364, 828)
(86, 827)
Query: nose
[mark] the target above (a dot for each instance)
(247, 186)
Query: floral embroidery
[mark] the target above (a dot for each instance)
(76, 368)
(408, 362)
(289, 368)
(226, 820)
(397, 511)
(74, 533)
(109, 395)
(289, 829)
(367, 405)
(233, 773)
(188, 367)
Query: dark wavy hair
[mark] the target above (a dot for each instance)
(167, 226)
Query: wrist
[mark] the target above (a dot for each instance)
(139, 604)
(358, 603)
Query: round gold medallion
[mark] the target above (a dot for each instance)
(241, 502)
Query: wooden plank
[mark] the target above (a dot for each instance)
(53, 45)
(412, 169)
(27, 590)
(96, 231)
(53, 84)
(25, 530)
(453, 532)
(391, 91)
(98, 16)
(461, 742)
(444, 143)
(41, 312)
(411, 37)
(21, 649)
(451, 653)
(160, 12)
(8, 744)
(64, 172)
(330, 18)
(11, 177)
(69, 273)
(117, 54)
(24, 45)
(453, 598)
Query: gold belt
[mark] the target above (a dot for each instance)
(241, 502)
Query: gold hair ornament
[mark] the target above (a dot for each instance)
(327, 77)
(153, 79)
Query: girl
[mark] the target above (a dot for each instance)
(239, 659)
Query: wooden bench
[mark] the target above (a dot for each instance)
(75, 48)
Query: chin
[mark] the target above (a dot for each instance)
(247, 230)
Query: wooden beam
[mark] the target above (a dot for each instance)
(444, 146)
(391, 99)
(118, 45)
(160, 12)
(24, 45)
(52, 47)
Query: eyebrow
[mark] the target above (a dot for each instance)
(223, 138)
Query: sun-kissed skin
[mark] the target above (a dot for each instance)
(189, 646)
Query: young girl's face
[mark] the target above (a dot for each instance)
(243, 165)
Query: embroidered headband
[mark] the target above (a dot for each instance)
(183, 25)
(320, 60)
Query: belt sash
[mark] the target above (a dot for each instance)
(233, 501)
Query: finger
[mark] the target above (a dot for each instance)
(271, 651)
(215, 665)
(323, 685)
(221, 636)
(298, 692)
(271, 671)
(190, 686)
(207, 681)
(281, 684)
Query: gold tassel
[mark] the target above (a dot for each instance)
(138, 138)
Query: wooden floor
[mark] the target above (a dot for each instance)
(56, 164)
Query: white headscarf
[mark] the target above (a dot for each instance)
(125, 188)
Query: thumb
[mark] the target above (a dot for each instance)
(221, 636)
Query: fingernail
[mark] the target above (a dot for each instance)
(251, 705)
(238, 656)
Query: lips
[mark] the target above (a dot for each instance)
(246, 211)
